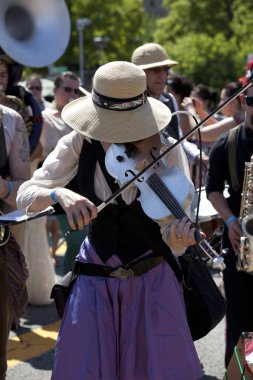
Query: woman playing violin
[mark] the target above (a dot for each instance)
(125, 316)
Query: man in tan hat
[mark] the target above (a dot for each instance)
(154, 60)
(117, 315)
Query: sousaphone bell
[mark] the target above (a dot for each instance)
(34, 33)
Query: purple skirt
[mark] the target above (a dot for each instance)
(134, 329)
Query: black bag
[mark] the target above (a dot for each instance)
(61, 290)
(205, 305)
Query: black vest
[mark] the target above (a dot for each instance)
(120, 229)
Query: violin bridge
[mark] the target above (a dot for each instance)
(141, 165)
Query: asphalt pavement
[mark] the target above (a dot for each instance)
(31, 347)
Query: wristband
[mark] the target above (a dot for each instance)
(230, 220)
(53, 196)
(10, 190)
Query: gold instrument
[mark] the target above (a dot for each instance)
(17, 104)
(245, 252)
(4, 234)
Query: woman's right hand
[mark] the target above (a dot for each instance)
(181, 234)
(80, 210)
(234, 234)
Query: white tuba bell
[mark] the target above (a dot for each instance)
(34, 33)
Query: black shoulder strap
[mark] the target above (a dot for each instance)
(172, 129)
(232, 137)
(109, 179)
(101, 159)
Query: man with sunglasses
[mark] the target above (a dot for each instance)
(154, 60)
(66, 89)
(226, 166)
(34, 85)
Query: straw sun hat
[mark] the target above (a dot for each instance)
(118, 110)
(151, 55)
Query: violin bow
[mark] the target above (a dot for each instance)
(166, 151)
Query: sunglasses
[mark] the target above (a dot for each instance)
(249, 100)
(36, 88)
(70, 89)
(156, 70)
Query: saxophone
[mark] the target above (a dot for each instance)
(245, 251)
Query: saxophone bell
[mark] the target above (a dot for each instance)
(247, 225)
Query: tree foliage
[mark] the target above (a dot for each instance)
(205, 59)
(211, 39)
(124, 22)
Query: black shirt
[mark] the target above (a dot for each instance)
(219, 174)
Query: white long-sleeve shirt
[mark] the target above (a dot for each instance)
(62, 164)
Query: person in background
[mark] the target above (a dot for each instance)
(10, 74)
(34, 85)
(181, 88)
(115, 328)
(66, 89)
(30, 236)
(234, 109)
(154, 60)
(232, 114)
(227, 160)
(207, 96)
(218, 123)
(16, 97)
(14, 169)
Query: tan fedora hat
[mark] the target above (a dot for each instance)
(118, 110)
(151, 55)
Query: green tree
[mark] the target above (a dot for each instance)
(209, 38)
(124, 22)
(205, 59)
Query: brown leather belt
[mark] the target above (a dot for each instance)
(135, 268)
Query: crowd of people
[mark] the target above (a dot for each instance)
(126, 295)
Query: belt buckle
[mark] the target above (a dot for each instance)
(122, 273)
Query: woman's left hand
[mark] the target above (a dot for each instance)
(181, 234)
